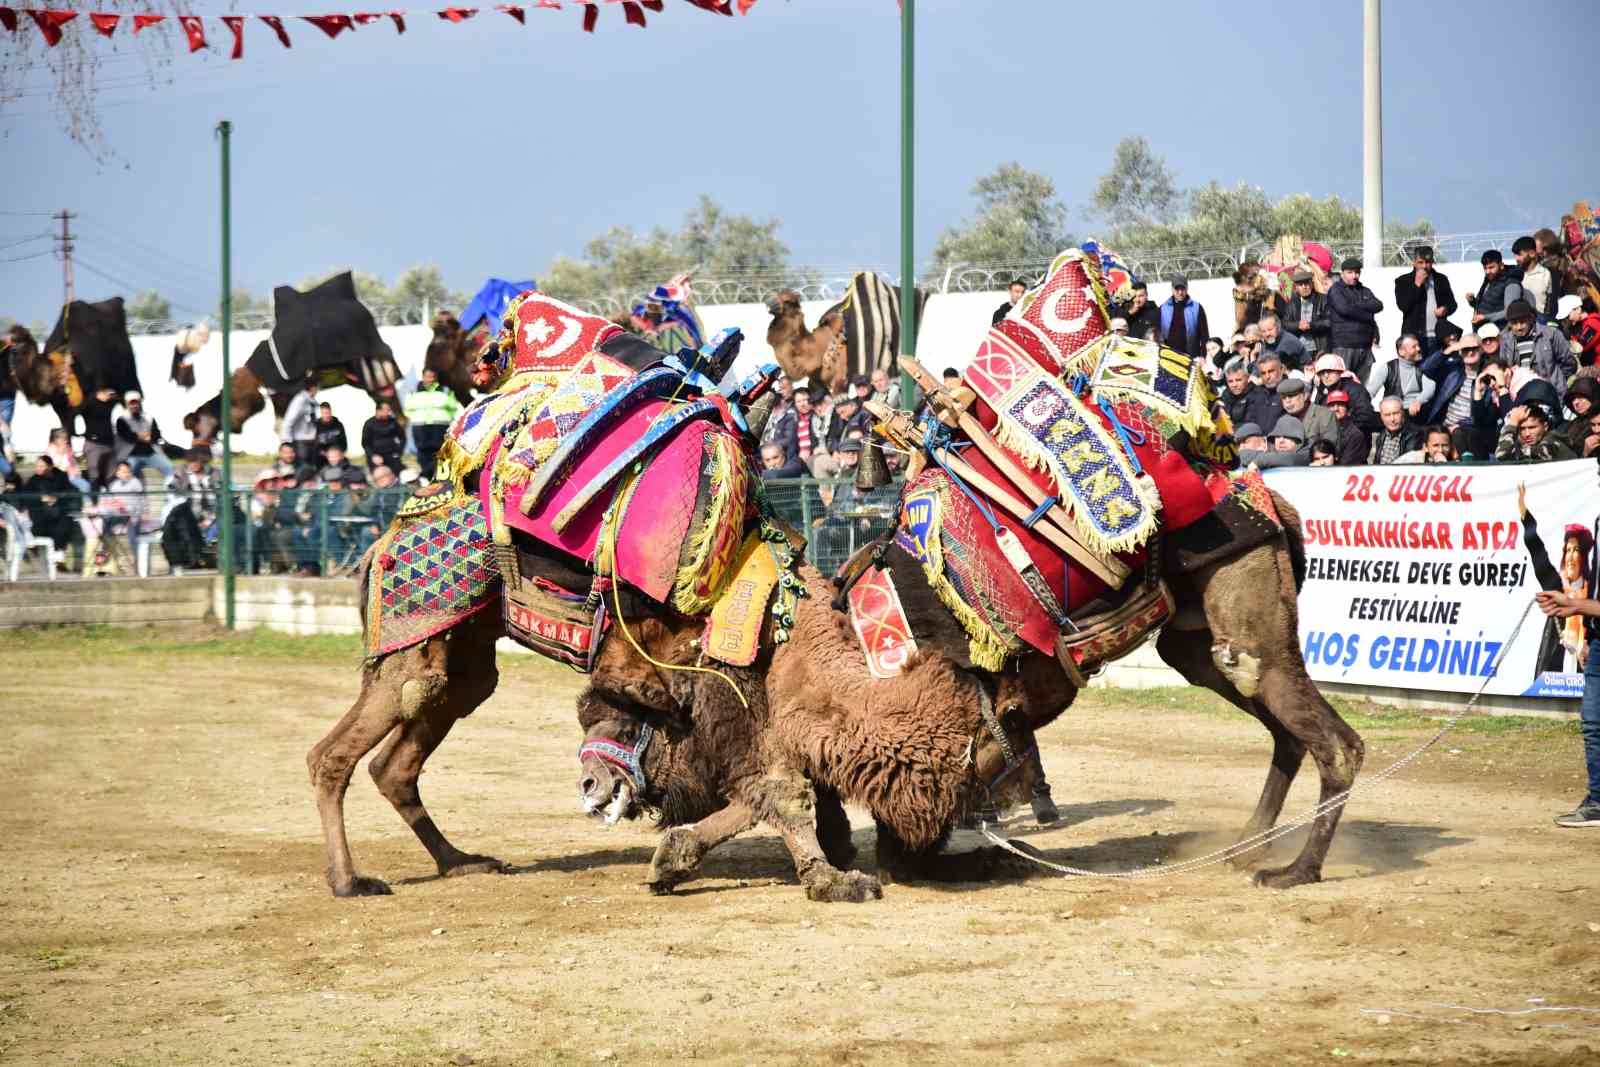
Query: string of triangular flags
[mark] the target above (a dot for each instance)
(51, 22)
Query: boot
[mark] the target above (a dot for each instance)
(1044, 809)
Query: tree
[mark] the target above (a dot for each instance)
(720, 244)
(149, 306)
(1019, 220)
(1139, 189)
(423, 284)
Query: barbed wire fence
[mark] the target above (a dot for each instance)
(819, 284)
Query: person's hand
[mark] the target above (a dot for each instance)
(1522, 500)
(1415, 408)
(48, 501)
(1515, 416)
(1477, 320)
(1555, 604)
(106, 395)
(1420, 276)
(1472, 300)
(1438, 313)
(1305, 324)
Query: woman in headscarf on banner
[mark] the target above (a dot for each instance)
(1562, 645)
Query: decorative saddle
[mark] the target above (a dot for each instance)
(596, 461)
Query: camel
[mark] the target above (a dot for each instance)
(1236, 633)
(415, 696)
(819, 354)
(450, 354)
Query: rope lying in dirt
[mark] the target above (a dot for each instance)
(1266, 837)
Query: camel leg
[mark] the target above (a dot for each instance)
(678, 857)
(833, 827)
(786, 802)
(1189, 653)
(469, 681)
(375, 713)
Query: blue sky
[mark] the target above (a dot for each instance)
(490, 148)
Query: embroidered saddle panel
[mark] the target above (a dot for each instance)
(430, 571)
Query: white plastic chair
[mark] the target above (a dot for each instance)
(20, 540)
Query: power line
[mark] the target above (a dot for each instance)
(26, 240)
(34, 255)
(133, 289)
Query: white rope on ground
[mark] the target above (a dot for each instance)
(1266, 837)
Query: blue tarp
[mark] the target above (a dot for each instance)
(491, 301)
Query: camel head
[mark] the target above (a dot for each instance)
(785, 304)
(1002, 747)
(614, 765)
(37, 378)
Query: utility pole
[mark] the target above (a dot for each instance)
(64, 250)
(908, 166)
(226, 560)
(1372, 135)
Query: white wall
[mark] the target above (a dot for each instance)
(953, 325)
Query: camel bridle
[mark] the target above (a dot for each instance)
(988, 720)
(629, 759)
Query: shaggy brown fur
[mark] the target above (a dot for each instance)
(450, 355)
(818, 354)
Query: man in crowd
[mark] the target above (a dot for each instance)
(775, 464)
(1281, 343)
(1538, 288)
(1543, 349)
(1015, 291)
(1182, 324)
(1402, 377)
(1353, 443)
(1285, 447)
(99, 438)
(1318, 421)
(1353, 318)
(1270, 370)
(1437, 445)
(1424, 298)
(1501, 285)
(1579, 320)
(383, 438)
(1398, 436)
(1525, 437)
(1560, 605)
(1306, 315)
(1144, 321)
(330, 433)
(1583, 400)
(1331, 374)
(139, 438)
(884, 389)
(300, 424)
(1244, 400)
(431, 408)
(1119, 325)
(1456, 370)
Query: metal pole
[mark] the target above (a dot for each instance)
(908, 160)
(225, 563)
(1372, 136)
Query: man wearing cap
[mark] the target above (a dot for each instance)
(1305, 314)
(1183, 321)
(1285, 448)
(1458, 368)
(1331, 374)
(1501, 285)
(1541, 348)
(1526, 437)
(1424, 298)
(1353, 443)
(139, 438)
(1277, 341)
(1318, 421)
(1353, 318)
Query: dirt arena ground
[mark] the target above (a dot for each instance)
(164, 902)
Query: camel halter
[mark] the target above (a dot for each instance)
(988, 720)
(629, 759)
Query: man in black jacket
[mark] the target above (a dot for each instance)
(1425, 299)
(1245, 401)
(1353, 319)
(330, 432)
(1306, 315)
(1016, 289)
(1143, 319)
(99, 439)
(382, 435)
(1501, 285)
(1354, 443)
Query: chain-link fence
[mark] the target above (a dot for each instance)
(835, 517)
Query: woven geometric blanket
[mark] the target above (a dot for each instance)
(430, 571)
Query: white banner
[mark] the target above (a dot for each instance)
(1416, 575)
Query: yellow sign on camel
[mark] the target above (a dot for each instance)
(733, 632)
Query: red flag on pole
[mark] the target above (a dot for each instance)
(50, 23)
(277, 27)
(514, 11)
(591, 15)
(457, 14)
(332, 25)
(633, 13)
(195, 27)
(141, 21)
(399, 21)
(106, 24)
(236, 24)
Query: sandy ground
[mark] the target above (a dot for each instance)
(164, 901)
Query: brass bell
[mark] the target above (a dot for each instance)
(758, 414)
(872, 471)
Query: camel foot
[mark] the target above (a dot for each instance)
(1286, 877)
(362, 886)
(843, 887)
(677, 860)
(473, 865)
(1247, 861)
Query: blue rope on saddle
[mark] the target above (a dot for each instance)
(1129, 437)
(1040, 511)
(936, 437)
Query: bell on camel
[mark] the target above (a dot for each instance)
(757, 414)
(872, 472)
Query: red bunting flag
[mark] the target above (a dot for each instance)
(720, 7)
(106, 24)
(196, 29)
(332, 25)
(236, 24)
(554, 5)
(457, 14)
(364, 18)
(277, 27)
(399, 21)
(633, 13)
(50, 23)
(652, 5)
(8, 18)
(512, 10)
(141, 21)
(745, 6)
(591, 15)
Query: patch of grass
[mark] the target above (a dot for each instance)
(54, 959)
(102, 642)
(1358, 713)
